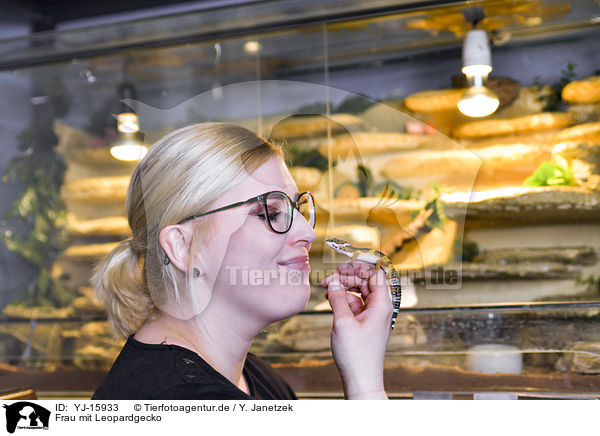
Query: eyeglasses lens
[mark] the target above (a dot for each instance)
(279, 212)
(306, 206)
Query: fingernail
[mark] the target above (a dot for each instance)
(335, 284)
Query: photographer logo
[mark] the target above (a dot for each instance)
(26, 415)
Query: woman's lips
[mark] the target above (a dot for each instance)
(298, 262)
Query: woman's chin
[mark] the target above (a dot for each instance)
(294, 299)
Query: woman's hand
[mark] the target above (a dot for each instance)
(361, 327)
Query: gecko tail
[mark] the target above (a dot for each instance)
(396, 286)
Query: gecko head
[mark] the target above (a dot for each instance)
(336, 243)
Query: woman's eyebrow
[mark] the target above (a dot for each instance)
(290, 191)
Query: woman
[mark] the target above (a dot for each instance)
(219, 250)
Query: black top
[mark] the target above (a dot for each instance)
(170, 372)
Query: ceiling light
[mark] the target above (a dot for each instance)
(129, 145)
(252, 47)
(478, 100)
(128, 122)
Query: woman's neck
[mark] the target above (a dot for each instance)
(215, 341)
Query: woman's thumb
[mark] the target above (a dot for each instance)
(336, 294)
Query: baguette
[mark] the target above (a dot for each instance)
(373, 142)
(107, 226)
(582, 91)
(507, 126)
(434, 100)
(309, 126)
(579, 131)
(89, 251)
(497, 159)
(97, 189)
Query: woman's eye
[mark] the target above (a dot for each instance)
(272, 216)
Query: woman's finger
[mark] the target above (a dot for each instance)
(356, 303)
(336, 294)
(346, 280)
(378, 283)
(380, 298)
(361, 269)
(352, 281)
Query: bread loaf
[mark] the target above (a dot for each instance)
(579, 131)
(365, 143)
(309, 126)
(583, 91)
(507, 126)
(500, 159)
(89, 251)
(97, 189)
(107, 226)
(434, 100)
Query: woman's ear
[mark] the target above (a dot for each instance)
(176, 240)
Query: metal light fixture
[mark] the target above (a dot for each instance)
(129, 145)
(478, 100)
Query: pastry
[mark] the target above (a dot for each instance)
(579, 131)
(499, 158)
(364, 143)
(507, 126)
(434, 100)
(314, 125)
(582, 91)
(89, 251)
(107, 226)
(97, 189)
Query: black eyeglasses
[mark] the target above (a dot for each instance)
(278, 209)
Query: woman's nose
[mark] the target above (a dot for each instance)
(301, 229)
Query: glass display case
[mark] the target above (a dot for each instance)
(492, 222)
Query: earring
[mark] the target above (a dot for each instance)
(196, 273)
(167, 260)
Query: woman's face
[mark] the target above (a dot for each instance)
(258, 275)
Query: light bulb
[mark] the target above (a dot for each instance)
(128, 147)
(252, 47)
(128, 122)
(478, 101)
(128, 152)
(476, 70)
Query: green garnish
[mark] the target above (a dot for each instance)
(549, 174)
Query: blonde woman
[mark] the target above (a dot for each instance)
(209, 202)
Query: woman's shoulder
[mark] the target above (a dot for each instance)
(266, 382)
(138, 370)
(161, 371)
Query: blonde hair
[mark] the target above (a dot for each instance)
(181, 174)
